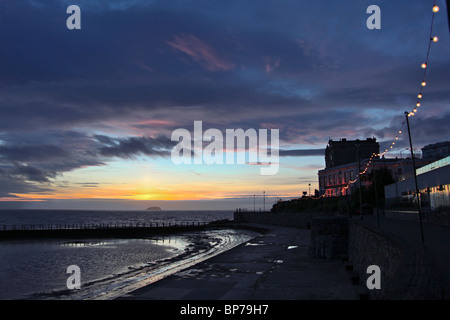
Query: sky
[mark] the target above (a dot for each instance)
(86, 115)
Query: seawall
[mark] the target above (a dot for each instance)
(441, 217)
(286, 219)
(408, 269)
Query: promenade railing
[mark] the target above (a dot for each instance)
(92, 226)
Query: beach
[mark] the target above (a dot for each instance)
(272, 266)
(111, 265)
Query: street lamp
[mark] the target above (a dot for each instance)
(375, 188)
(359, 180)
(264, 201)
(415, 176)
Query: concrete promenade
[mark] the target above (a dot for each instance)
(436, 239)
(273, 266)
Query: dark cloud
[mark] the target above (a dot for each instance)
(134, 146)
(69, 99)
(31, 153)
(302, 152)
(11, 184)
(30, 163)
(25, 158)
(140, 56)
(61, 148)
(89, 184)
(424, 130)
(32, 173)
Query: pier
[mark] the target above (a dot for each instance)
(122, 230)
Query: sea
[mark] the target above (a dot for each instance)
(106, 268)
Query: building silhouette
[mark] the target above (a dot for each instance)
(338, 153)
(436, 151)
(342, 165)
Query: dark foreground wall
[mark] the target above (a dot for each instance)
(287, 219)
(438, 216)
(408, 270)
(329, 238)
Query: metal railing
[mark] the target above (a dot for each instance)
(90, 226)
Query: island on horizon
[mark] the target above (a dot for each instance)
(153, 209)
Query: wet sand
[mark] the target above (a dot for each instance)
(272, 266)
(203, 245)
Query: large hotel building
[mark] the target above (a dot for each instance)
(345, 158)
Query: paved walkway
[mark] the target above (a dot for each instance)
(436, 239)
(273, 266)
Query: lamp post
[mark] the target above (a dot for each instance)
(359, 180)
(375, 188)
(415, 176)
(264, 201)
(448, 14)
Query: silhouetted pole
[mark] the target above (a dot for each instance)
(448, 14)
(264, 201)
(375, 188)
(415, 177)
(359, 181)
(254, 203)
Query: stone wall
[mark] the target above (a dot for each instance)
(329, 238)
(408, 270)
(287, 219)
(441, 216)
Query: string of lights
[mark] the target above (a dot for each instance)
(316, 198)
(432, 39)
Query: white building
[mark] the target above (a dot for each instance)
(433, 183)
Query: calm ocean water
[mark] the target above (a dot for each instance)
(37, 269)
(45, 217)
